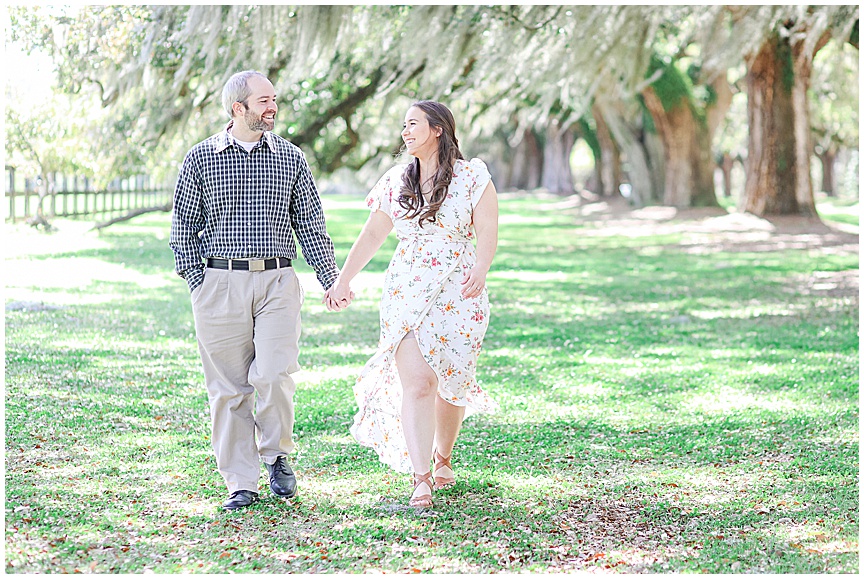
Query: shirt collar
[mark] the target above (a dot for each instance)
(225, 139)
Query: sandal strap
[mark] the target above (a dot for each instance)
(420, 479)
(441, 462)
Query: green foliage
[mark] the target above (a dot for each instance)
(674, 88)
(148, 78)
(834, 99)
(674, 399)
(41, 139)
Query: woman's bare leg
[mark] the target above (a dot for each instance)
(448, 421)
(419, 391)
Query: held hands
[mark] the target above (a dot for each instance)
(473, 282)
(338, 297)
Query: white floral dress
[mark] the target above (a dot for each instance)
(422, 293)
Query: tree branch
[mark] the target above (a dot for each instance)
(535, 28)
(135, 213)
(341, 109)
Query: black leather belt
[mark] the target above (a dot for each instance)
(248, 264)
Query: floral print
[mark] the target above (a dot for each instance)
(422, 293)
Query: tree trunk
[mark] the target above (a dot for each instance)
(802, 59)
(771, 177)
(557, 175)
(632, 150)
(778, 169)
(771, 174)
(652, 145)
(826, 158)
(726, 164)
(527, 166)
(38, 219)
(687, 153)
(610, 156)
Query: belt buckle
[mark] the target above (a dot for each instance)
(256, 265)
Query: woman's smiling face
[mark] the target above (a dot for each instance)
(419, 137)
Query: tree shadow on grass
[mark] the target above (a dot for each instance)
(560, 495)
(652, 465)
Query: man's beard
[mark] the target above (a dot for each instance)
(257, 123)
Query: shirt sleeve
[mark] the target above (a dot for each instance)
(307, 220)
(479, 179)
(187, 221)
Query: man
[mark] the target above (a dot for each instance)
(239, 196)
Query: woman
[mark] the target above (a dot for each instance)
(414, 392)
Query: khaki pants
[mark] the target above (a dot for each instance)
(248, 328)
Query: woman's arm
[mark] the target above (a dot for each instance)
(370, 240)
(486, 228)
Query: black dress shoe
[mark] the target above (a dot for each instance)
(282, 480)
(240, 499)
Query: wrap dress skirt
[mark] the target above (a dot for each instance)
(422, 293)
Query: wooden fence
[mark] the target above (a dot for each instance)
(76, 197)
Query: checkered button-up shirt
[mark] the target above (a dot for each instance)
(235, 204)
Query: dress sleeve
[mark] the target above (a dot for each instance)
(478, 180)
(381, 195)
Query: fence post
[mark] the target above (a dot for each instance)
(52, 195)
(12, 194)
(53, 207)
(27, 200)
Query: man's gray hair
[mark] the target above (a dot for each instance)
(237, 90)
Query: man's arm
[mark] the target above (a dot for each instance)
(307, 221)
(187, 221)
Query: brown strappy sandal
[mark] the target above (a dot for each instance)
(442, 482)
(422, 500)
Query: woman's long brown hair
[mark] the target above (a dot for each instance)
(410, 197)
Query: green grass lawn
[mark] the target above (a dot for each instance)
(673, 399)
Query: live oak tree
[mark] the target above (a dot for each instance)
(539, 68)
(778, 77)
(687, 97)
(161, 68)
(644, 85)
